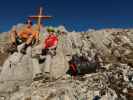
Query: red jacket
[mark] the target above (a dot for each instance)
(50, 41)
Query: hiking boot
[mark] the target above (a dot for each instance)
(38, 77)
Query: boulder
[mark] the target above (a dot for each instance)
(16, 70)
(59, 65)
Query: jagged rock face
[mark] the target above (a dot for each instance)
(107, 85)
(16, 72)
(3, 57)
(3, 47)
(111, 44)
(112, 81)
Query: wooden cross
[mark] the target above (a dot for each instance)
(39, 18)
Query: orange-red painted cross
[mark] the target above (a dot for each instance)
(39, 17)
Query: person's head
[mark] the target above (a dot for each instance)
(50, 31)
(29, 23)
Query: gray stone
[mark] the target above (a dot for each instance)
(59, 65)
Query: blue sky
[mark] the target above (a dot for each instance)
(76, 15)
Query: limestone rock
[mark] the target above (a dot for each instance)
(17, 70)
(113, 80)
(59, 65)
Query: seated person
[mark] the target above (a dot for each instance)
(26, 35)
(48, 51)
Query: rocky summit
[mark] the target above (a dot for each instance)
(112, 79)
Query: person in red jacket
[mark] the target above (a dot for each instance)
(50, 45)
(26, 34)
(48, 51)
(51, 40)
